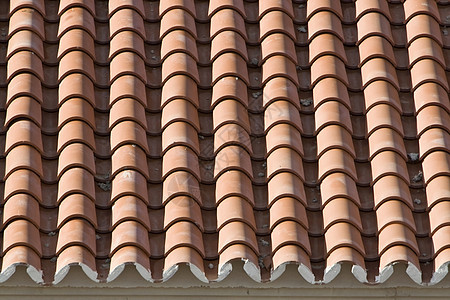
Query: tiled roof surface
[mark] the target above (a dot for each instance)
(178, 131)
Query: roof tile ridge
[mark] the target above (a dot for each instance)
(27, 170)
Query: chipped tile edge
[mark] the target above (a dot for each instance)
(62, 273)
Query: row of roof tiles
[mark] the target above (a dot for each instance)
(242, 130)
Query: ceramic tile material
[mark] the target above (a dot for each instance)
(159, 133)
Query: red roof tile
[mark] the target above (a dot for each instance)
(158, 133)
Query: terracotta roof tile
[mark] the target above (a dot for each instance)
(423, 26)
(338, 185)
(21, 233)
(23, 107)
(37, 5)
(379, 92)
(286, 184)
(324, 5)
(364, 7)
(424, 47)
(376, 46)
(280, 88)
(66, 4)
(432, 116)
(25, 40)
(75, 255)
(230, 111)
(76, 17)
(190, 132)
(177, 19)
(27, 19)
(127, 63)
(216, 5)
(324, 22)
(326, 44)
(125, 86)
(386, 139)
(279, 66)
(335, 90)
(276, 21)
(341, 210)
(127, 109)
(289, 233)
(127, 41)
(115, 5)
(176, 41)
(24, 84)
(125, 19)
(25, 61)
(230, 134)
(334, 136)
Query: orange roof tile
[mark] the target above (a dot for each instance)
(158, 133)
